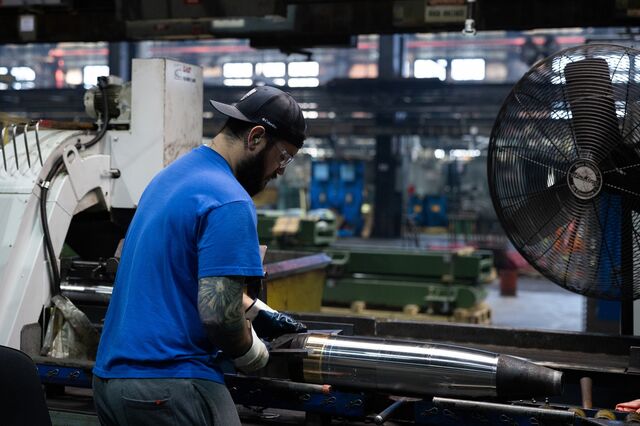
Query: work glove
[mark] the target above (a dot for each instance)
(255, 358)
(270, 323)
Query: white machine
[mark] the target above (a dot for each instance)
(154, 120)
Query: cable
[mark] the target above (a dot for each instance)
(57, 167)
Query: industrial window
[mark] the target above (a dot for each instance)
(90, 74)
(467, 69)
(238, 82)
(304, 69)
(303, 82)
(271, 69)
(73, 77)
(237, 70)
(429, 68)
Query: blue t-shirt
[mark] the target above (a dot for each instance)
(194, 220)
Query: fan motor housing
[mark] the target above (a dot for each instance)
(584, 179)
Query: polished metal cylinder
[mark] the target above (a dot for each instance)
(421, 368)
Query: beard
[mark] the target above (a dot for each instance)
(250, 173)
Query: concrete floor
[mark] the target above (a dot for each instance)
(538, 304)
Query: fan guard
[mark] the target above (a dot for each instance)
(564, 169)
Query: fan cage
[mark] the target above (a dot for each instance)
(564, 169)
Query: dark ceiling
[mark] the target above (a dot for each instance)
(365, 108)
(290, 23)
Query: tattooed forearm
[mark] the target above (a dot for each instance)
(220, 309)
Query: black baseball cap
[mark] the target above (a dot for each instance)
(272, 108)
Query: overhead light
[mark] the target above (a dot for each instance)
(271, 69)
(237, 70)
(467, 69)
(92, 72)
(304, 69)
(303, 82)
(237, 82)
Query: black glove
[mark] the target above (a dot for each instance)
(269, 323)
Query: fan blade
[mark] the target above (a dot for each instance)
(538, 215)
(621, 172)
(590, 96)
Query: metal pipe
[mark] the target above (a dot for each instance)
(4, 156)
(421, 368)
(38, 142)
(26, 144)
(379, 419)
(14, 128)
(540, 414)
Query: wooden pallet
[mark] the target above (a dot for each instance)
(479, 314)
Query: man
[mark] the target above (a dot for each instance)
(191, 247)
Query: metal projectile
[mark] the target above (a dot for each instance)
(418, 368)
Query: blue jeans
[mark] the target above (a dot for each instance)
(160, 402)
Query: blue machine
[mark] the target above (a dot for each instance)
(338, 185)
(434, 211)
(430, 210)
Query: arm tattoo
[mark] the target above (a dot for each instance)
(220, 305)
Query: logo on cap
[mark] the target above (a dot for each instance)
(269, 123)
(249, 93)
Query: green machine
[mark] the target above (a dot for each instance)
(435, 281)
(291, 229)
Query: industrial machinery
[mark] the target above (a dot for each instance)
(435, 281)
(85, 185)
(302, 230)
(79, 188)
(339, 186)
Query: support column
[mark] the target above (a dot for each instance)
(120, 56)
(388, 196)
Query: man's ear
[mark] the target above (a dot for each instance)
(255, 136)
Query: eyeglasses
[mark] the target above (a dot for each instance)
(285, 157)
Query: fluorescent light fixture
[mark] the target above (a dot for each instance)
(23, 73)
(73, 77)
(304, 69)
(271, 69)
(237, 70)
(92, 72)
(303, 82)
(237, 82)
(428, 68)
(467, 69)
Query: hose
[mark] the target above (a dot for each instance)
(57, 167)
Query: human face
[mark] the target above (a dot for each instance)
(285, 157)
(281, 156)
(250, 173)
(255, 172)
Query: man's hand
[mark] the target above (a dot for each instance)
(270, 323)
(255, 358)
(629, 406)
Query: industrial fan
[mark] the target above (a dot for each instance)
(564, 169)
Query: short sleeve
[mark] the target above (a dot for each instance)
(228, 242)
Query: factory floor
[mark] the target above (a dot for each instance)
(538, 304)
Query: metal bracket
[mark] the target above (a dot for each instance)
(82, 172)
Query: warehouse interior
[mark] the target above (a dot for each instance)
(459, 232)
